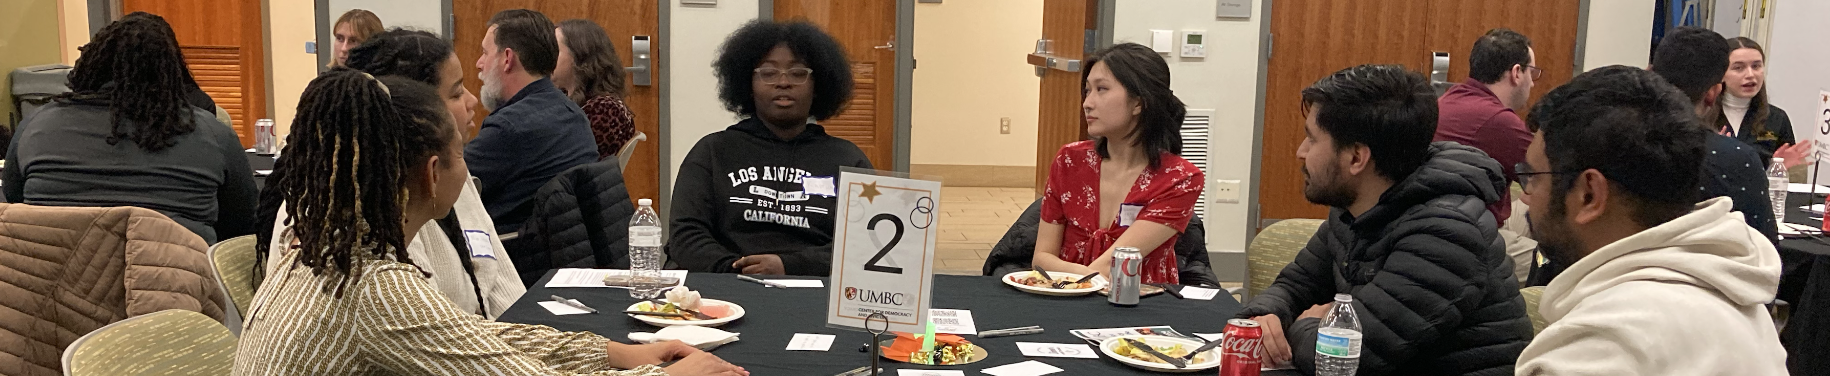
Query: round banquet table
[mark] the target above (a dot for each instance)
(1805, 284)
(774, 315)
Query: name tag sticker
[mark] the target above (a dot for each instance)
(1127, 213)
(819, 186)
(479, 244)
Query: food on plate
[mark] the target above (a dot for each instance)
(680, 298)
(1125, 349)
(948, 350)
(1034, 279)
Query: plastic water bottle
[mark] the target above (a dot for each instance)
(1776, 183)
(645, 251)
(1337, 343)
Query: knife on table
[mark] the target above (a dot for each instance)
(1145, 347)
(1198, 350)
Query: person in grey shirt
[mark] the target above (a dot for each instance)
(125, 136)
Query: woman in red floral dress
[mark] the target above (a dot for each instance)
(589, 71)
(1126, 187)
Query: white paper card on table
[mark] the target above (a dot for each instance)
(884, 233)
(1199, 293)
(810, 342)
(1029, 368)
(561, 308)
(929, 372)
(571, 277)
(1806, 188)
(1057, 350)
(1210, 337)
(953, 321)
(804, 283)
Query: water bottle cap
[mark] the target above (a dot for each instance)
(1344, 298)
(645, 202)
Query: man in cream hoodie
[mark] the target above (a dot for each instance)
(1657, 283)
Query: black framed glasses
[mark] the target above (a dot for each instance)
(1526, 174)
(1536, 73)
(795, 76)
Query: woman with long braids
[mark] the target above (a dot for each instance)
(458, 249)
(386, 158)
(126, 136)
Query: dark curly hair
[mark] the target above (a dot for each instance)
(1145, 76)
(598, 68)
(1385, 107)
(1693, 59)
(411, 53)
(738, 57)
(134, 65)
(1633, 127)
(363, 137)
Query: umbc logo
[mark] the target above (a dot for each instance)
(876, 297)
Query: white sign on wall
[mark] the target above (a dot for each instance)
(883, 250)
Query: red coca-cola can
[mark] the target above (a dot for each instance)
(1242, 348)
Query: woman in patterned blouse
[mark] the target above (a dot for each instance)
(347, 300)
(1126, 187)
(590, 72)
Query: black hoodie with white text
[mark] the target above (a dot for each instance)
(744, 191)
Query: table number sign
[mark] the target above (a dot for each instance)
(883, 250)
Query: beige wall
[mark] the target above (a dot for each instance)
(1619, 33)
(29, 35)
(289, 68)
(75, 23)
(971, 74)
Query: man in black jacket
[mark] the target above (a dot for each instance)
(1409, 238)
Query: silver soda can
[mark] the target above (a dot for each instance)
(264, 138)
(1127, 267)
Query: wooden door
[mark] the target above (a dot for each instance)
(867, 30)
(622, 19)
(1059, 119)
(1312, 38)
(224, 47)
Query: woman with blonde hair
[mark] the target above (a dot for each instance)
(353, 28)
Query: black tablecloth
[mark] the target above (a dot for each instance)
(775, 315)
(1805, 283)
(257, 163)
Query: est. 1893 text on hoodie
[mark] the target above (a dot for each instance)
(741, 192)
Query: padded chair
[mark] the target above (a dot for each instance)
(1014, 251)
(1532, 294)
(580, 219)
(1275, 247)
(233, 262)
(622, 156)
(169, 342)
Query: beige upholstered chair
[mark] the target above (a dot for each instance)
(233, 261)
(169, 342)
(1274, 248)
(1531, 295)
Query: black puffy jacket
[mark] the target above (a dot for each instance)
(580, 219)
(1018, 246)
(1431, 283)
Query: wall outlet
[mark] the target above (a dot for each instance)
(1226, 192)
(1004, 125)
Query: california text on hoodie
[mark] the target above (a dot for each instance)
(1684, 298)
(742, 191)
(1430, 279)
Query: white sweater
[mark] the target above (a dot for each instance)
(1684, 298)
(432, 250)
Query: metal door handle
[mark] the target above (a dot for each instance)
(1045, 58)
(1439, 67)
(638, 74)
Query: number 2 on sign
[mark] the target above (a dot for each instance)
(872, 264)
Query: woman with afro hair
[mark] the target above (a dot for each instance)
(740, 199)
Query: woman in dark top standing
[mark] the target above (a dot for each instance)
(125, 136)
(592, 75)
(1746, 114)
(745, 200)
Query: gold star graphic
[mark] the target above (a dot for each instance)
(870, 192)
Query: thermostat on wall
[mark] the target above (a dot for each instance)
(1192, 43)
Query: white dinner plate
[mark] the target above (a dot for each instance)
(1012, 278)
(736, 313)
(1212, 359)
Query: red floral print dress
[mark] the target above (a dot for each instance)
(1164, 195)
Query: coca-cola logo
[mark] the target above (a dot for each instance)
(1243, 348)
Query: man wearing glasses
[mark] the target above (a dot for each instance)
(1483, 112)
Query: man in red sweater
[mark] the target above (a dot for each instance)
(1483, 112)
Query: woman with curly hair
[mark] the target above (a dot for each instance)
(592, 75)
(348, 300)
(776, 76)
(126, 136)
